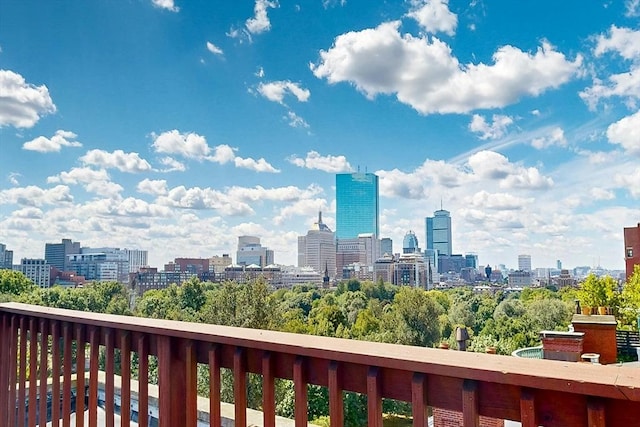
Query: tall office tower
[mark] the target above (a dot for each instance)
(250, 251)
(137, 259)
(410, 243)
(559, 264)
(357, 205)
(438, 236)
(57, 254)
(6, 257)
(386, 246)
(631, 248)
(524, 263)
(318, 248)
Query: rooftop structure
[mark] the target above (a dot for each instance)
(631, 248)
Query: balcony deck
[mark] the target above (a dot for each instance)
(534, 392)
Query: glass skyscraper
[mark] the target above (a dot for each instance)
(357, 205)
(439, 232)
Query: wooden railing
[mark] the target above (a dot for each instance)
(38, 345)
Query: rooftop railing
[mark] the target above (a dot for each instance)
(41, 349)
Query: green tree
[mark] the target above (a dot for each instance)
(630, 300)
(14, 283)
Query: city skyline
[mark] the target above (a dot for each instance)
(177, 127)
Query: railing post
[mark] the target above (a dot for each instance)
(470, 405)
(419, 400)
(336, 403)
(374, 397)
(4, 369)
(173, 370)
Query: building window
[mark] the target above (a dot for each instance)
(629, 252)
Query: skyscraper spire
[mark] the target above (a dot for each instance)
(319, 217)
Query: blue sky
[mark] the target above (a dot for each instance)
(176, 126)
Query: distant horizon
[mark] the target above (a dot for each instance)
(177, 126)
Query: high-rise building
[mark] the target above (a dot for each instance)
(357, 205)
(386, 246)
(410, 243)
(250, 251)
(6, 257)
(57, 254)
(217, 264)
(137, 259)
(631, 248)
(524, 263)
(318, 248)
(438, 232)
(101, 264)
(357, 256)
(36, 270)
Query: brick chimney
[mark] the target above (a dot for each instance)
(599, 335)
(562, 345)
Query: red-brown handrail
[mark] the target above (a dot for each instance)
(537, 392)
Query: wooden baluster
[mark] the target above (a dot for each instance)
(214, 386)
(4, 370)
(55, 369)
(191, 383)
(80, 375)
(595, 412)
(22, 377)
(94, 355)
(527, 408)
(12, 363)
(336, 404)
(268, 391)
(143, 381)
(66, 369)
(33, 371)
(300, 392)
(44, 355)
(172, 382)
(374, 397)
(240, 387)
(125, 375)
(109, 387)
(470, 415)
(419, 401)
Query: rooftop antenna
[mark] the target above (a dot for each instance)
(440, 203)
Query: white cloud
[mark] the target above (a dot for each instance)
(500, 201)
(204, 198)
(632, 7)
(13, 178)
(223, 154)
(260, 22)
(79, 176)
(155, 187)
(124, 162)
(214, 49)
(623, 41)
(190, 145)
(328, 163)
(555, 137)
(260, 165)
(43, 144)
(166, 4)
(626, 133)
(306, 207)
(626, 43)
(296, 121)
(22, 103)
(172, 165)
(28, 213)
(283, 194)
(602, 194)
(275, 91)
(630, 181)
(494, 166)
(36, 196)
(424, 74)
(434, 16)
(104, 188)
(493, 130)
